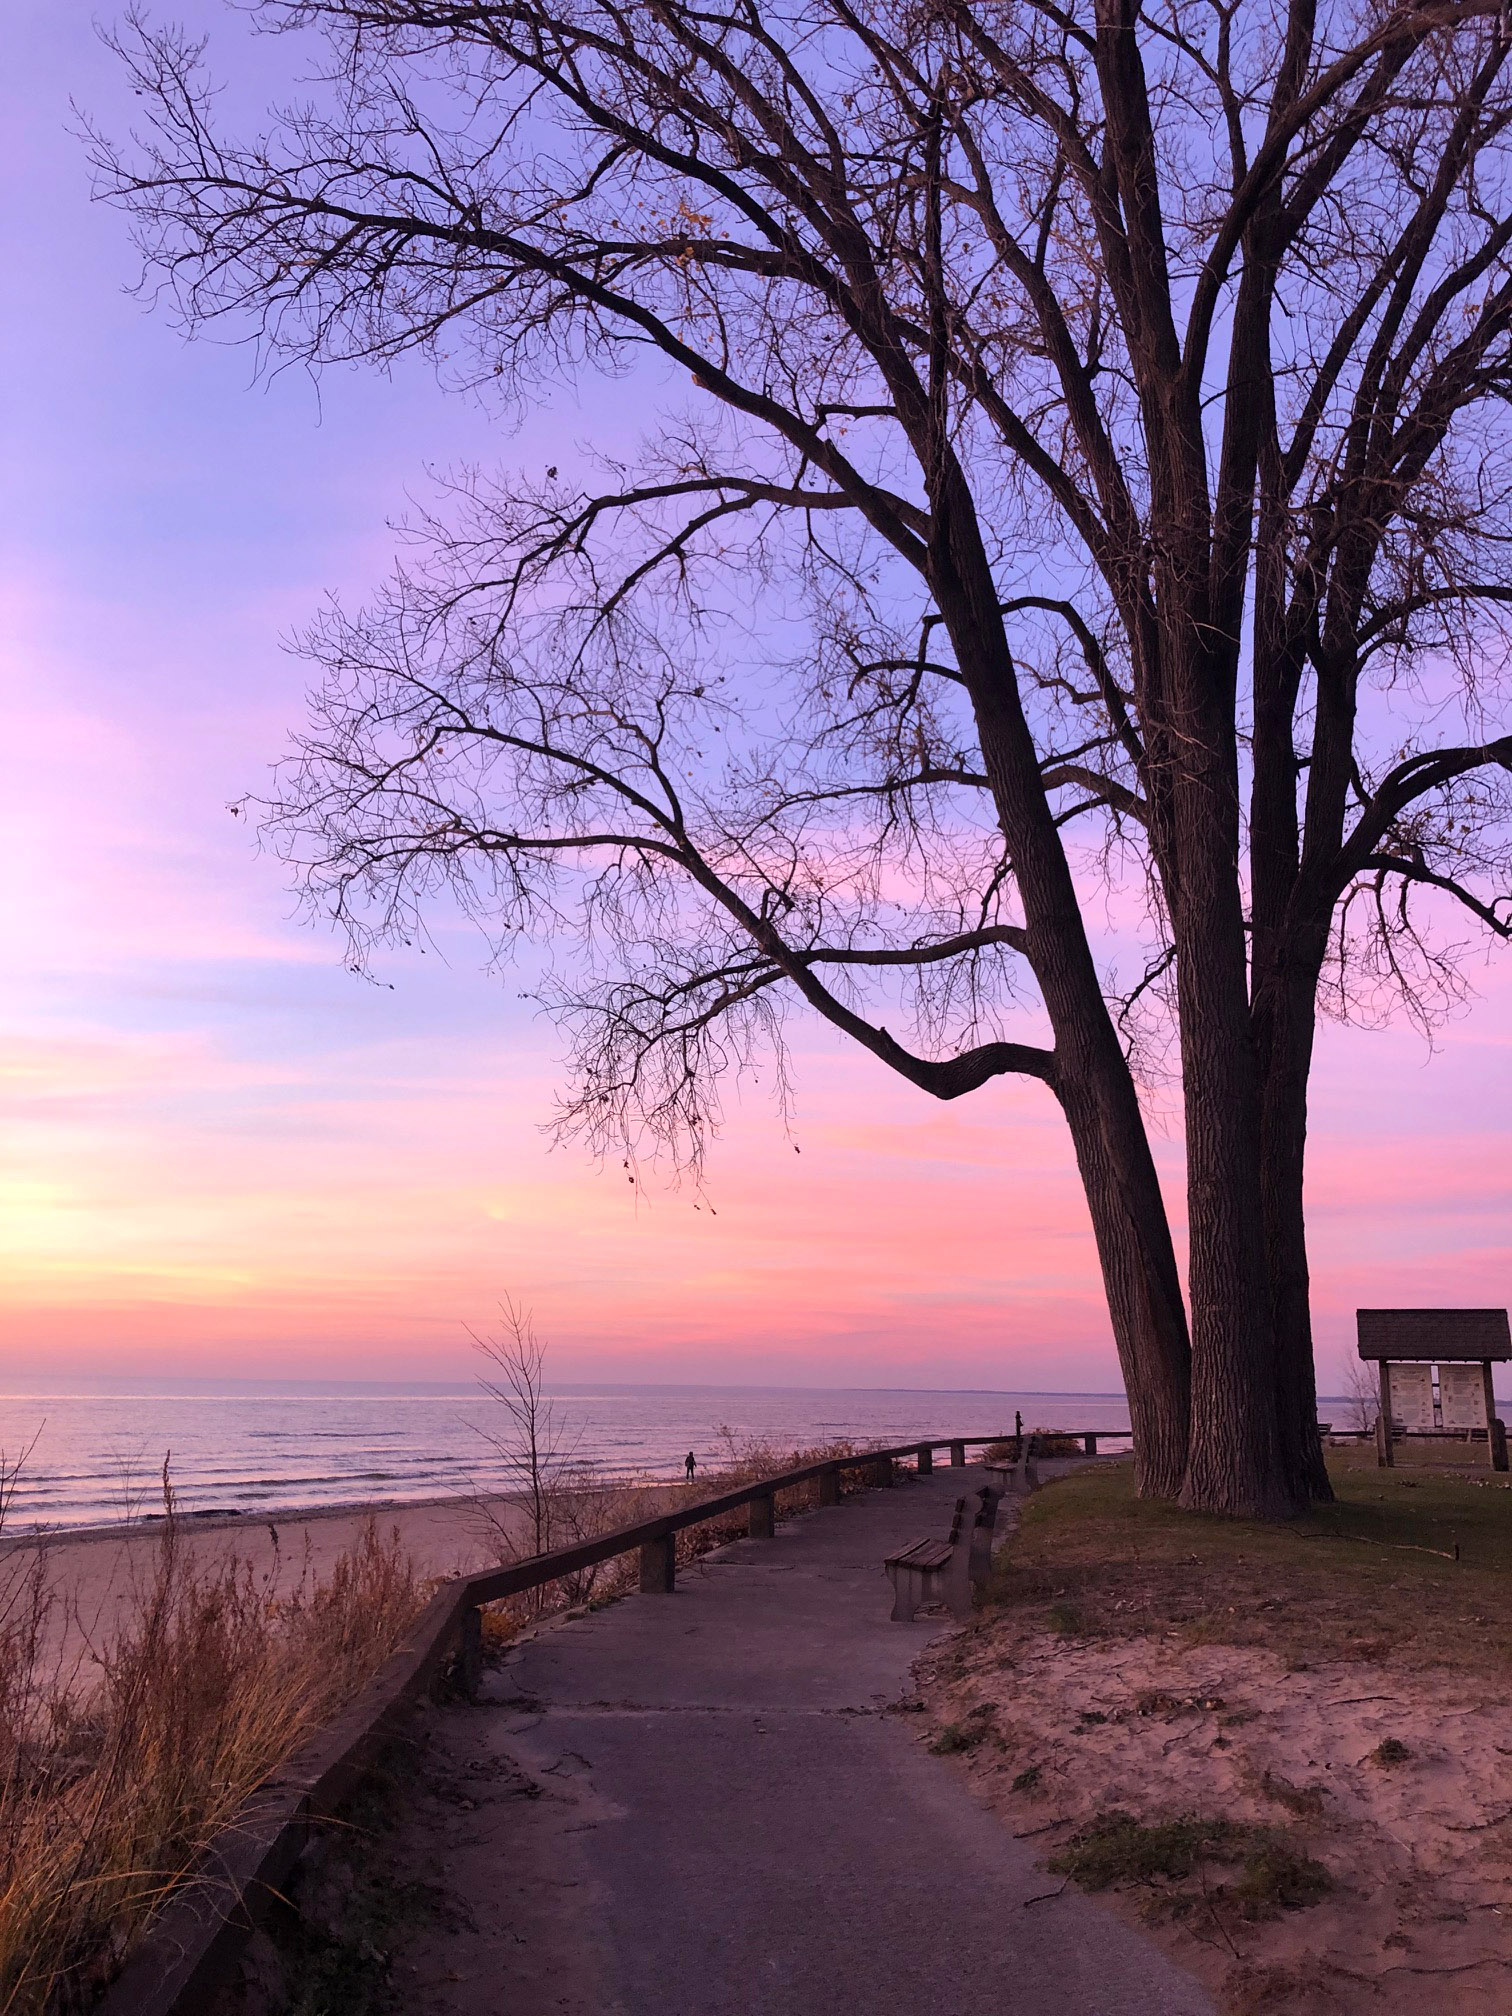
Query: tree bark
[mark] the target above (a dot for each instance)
(1235, 1465)
(1285, 1018)
(1094, 1083)
(1284, 1139)
(1139, 1271)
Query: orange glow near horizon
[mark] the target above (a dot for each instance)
(149, 1228)
(221, 1155)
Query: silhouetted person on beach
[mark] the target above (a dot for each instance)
(690, 1466)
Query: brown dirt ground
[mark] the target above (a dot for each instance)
(1132, 1658)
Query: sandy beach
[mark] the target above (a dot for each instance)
(94, 1574)
(1417, 1848)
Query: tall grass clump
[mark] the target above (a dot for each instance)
(119, 1766)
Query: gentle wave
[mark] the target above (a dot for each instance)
(99, 1457)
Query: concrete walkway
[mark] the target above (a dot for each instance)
(701, 1805)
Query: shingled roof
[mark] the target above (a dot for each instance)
(1444, 1336)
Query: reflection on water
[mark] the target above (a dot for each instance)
(99, 1457)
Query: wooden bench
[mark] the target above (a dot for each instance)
(944, 1571)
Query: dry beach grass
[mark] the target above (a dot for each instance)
(119, 1764)
(1286, 1749)
(123, 1752)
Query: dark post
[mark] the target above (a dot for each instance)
(1496, 1450)
(1089, 1443)
(957, 1455)
(658, 1563)
(926, 1459)
(763, 1517)
(470, 1654)
(1385, 1456)
(829, 1486)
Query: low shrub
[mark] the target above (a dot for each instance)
(1045, 1442)
(1115, 1848)
(1272, 1875)
(1051, 1442)
(956, 1737)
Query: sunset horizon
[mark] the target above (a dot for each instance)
(225, 1152)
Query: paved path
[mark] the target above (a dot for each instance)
(700, 1805)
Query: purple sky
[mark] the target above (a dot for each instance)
(221, 1152)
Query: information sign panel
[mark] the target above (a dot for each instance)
(1412, 1395)
(1462, 1396)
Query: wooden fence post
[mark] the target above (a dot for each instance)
(1385, 1456)
(926, 1459)
(658, 1566)
(1089, 1443)
(1493, 1451)
(829, 1486)
(763, 1518)
(470, 1654)
(957, 1455)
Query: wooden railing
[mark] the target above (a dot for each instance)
(193, 1944)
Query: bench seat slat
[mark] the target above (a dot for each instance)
(925, 1554)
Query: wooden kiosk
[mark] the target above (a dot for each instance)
(1409, 1346)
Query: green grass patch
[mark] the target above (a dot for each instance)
(1269, 1874)
(1370, 1576)
(956, 1737)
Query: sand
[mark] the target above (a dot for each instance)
(94, 1574)
(1420, 1850)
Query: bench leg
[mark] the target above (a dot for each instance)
(955, 1581)
(905, 1593)
(916, 1589)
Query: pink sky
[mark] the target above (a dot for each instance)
(222, 1154)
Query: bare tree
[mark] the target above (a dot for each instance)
(1083, 543)
(534, 1449)
(1362, 1396)
(540, 1455)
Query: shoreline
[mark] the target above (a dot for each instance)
(93, 1576)
(213, 1519)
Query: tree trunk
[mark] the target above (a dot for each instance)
(1094, 1083)
(1139, 1271)
(1235, 1463)
(1284, 972)
(1285, 1018)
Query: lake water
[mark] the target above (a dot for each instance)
(98, 1457)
